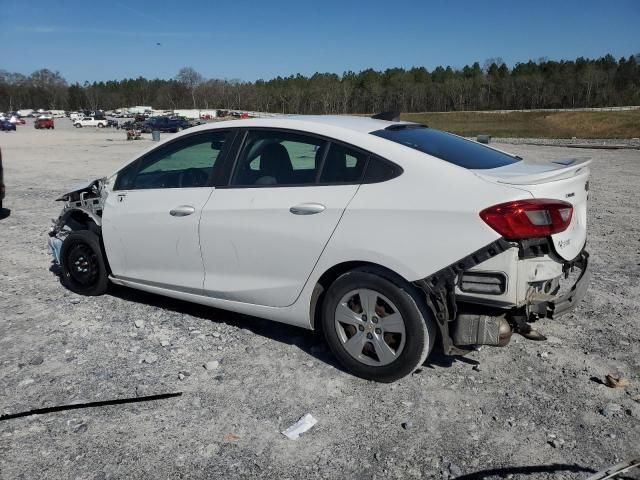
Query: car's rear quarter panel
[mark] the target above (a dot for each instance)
(419, 222)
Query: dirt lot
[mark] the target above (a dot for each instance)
(531, 410)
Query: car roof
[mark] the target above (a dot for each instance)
(350, 122)
(360, 124)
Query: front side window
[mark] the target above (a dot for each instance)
(278, 158)
(186, 163)
(447, 147)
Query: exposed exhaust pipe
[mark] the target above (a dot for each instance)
(474, 329)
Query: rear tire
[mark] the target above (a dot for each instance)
(404, 339)
(84, 269)
(100, 125)
(78, 125)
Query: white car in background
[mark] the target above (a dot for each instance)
(385, 235)
(90, 122)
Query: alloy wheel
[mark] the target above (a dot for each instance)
(370, 327)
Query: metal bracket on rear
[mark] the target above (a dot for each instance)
(439, 290)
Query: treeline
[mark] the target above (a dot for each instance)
(535, 84)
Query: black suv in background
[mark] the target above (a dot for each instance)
(165, 124)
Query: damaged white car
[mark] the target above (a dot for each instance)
(385, 235)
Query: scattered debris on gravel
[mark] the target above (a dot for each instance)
(613, 381)
(303, 425)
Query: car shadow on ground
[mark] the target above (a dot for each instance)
(4, 213)
(524, 470)
(437, 358)
(310, 342)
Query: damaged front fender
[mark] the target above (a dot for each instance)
(83, 204)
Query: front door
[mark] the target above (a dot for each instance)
(150, 222)
(263, 233)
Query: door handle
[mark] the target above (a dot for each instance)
(182, 211)
(307, 209)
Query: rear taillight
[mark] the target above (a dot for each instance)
(538, 217)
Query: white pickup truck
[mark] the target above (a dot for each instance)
(90, 122)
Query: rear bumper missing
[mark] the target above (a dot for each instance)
(440, 296)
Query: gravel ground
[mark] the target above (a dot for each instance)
(530, 410)
(560, 142)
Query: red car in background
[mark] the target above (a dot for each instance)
(44, 123)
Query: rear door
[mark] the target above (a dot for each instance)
(151, 218)
(262, 234)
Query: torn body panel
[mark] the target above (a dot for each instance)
(523, 277)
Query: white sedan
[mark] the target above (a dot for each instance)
(385, 235)
(90, 122)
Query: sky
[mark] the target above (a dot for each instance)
(248, 40)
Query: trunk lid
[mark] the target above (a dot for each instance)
(566, 179)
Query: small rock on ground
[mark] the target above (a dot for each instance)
(212, 365)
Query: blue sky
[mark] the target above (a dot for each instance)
(90, 40)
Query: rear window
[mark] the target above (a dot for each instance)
(447, 147)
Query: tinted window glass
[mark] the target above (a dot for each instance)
(125, 177)
(342, 165)
(278, 158)
(379, 170)
(186, 163)
(447, 147)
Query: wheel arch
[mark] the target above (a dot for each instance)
(81, 219)
(78, 219)
(330, 275)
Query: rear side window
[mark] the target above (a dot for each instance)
(447, 147)
(379, 170)
(342, 165)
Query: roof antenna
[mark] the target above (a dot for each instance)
(388, 116)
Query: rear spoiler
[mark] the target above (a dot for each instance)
(547, 172)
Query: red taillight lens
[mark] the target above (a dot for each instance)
(539, 217)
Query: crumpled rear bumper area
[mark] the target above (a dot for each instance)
(569, 300)
(461, 329)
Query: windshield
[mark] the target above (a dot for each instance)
(447, 147)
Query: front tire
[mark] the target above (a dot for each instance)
(83, 265)
(100, 125)
(78, 125)
(376, 325)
